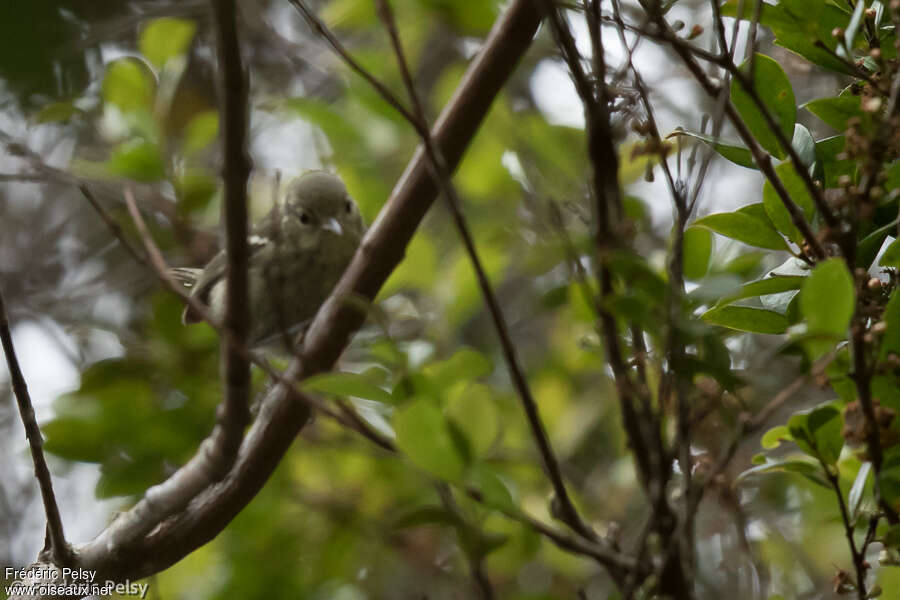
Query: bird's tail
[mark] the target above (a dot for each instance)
(185, 276)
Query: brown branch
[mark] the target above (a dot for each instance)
(235, 413)
(57, 548)
(280, 417)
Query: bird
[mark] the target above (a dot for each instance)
(298, 251)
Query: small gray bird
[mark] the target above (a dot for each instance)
(297, 254)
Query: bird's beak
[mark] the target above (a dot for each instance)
(333, 225)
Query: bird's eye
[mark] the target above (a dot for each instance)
(348, 206)
(304, 218)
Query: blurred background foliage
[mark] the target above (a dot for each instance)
(118, 94)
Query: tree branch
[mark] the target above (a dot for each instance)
(57, 548)
(234, 413)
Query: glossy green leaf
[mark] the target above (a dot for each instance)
(773, 437)
(129, 84)
(802, 26)
(870, 245)
(827, 298)
(778, 98)
(836, 110)
(744, 228)
(805, 146)
(347, 384)
(891, 256)
(423, 435)
(697, 250)
(851, 30)
(770, 285)
(890, 340)
(825, 423)
(164, 39)
(800, 465)
(745, 318)
(739, 155)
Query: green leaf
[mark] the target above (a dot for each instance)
(201, 131)
(696, 252)
(836, 110)
(129, 84)
(799, 465)
(744, 228)
(466, 365)
(775, 284)
(827, 298)
(802, 26)
(137, 159)
(347, 384)
(852, 29)
(716, 287)
(744, 318)
(423, 435)
(891, 537)
(804, 145)
(164, 39)
(854, 499)
(773, 437)
(891, 256)
(890, 340)
(775, 92)
(472, 409)
(738, 154)
(872, 243)
(889, 477)
(825, 423)
(492, 488)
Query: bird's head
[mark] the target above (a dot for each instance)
(318, 202)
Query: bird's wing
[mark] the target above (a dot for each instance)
(213, 273)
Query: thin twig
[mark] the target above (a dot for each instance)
(59, 550)
(859, 559)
